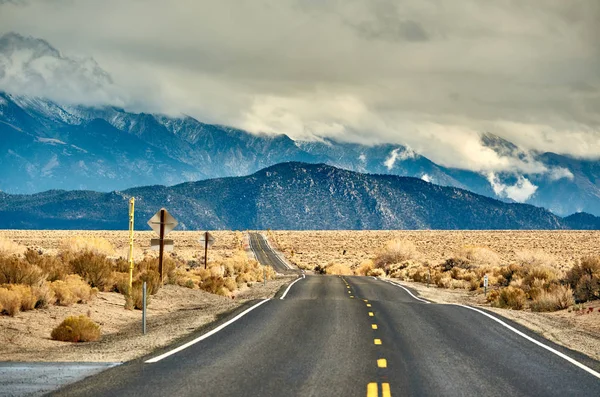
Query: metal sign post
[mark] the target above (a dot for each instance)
(485, 284)
(207, 240)
(131, 213)
(162, 223)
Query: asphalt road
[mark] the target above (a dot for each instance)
(266, 256)
(353, 336)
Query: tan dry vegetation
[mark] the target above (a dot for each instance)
(64, 274)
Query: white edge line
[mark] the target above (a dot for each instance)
(290, 286)
(406, 289)
(206, 335)
(276, 254)
(529, 338)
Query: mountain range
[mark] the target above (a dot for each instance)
(293, 195)
(48, 146)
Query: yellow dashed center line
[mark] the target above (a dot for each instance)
(365, 300)
(385, 390)
(351, 296)
(372, 390)
(382, 363)
(368, 305)
(374, 326)
(371, 314)
(377, 341)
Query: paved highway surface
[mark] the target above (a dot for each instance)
(266, 256)
(354, 336)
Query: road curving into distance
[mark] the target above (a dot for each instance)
(266, 256)
(353, 336)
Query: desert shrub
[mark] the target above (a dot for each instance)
(376, 273)
(10, 301)
(214, 285)
(478, 256)
(558, 298)
(508, 273)
(135, 300)
(584, 279)
(121, 265)
(77, 244)
(93, 267)
(511, 298)
(51, 266)
(14, 270)
(152, 279)
(452, 263)
(535, 258)
(72, 290)
(338, 269)
(26, 296)
(230, 284)
(44, 295)
(395, 251)
(76, 329)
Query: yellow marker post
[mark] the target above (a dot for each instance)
(131, 213)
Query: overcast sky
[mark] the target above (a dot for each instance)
(428, 73)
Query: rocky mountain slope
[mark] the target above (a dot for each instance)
(285, 196)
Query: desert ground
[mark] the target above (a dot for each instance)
(173, 312)
(311, 248)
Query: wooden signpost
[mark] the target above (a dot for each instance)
(162, 223)
(206, 240)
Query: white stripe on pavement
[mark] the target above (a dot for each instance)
(206, 335)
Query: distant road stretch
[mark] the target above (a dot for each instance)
(266, 256)
(354, 336)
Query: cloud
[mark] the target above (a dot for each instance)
(399, 154)
(520, 192)
(432, 75)
(32, 67)
(559, 173)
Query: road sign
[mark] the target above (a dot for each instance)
(169, 222)
(155, 244)
(485, 281)
(203, 240)
(206, 240)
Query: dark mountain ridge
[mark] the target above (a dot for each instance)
(295, 196)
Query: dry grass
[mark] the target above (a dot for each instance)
(9, 247)
(558, 298)
(94, 268)
(76, 329)
(14, 270)
(509, 298)
(99, 245)
(72, 290)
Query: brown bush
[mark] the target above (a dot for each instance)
(9, 247)
(152, 279)
(511, 298)
(73, 290)
(44, 295)
(51, 266)
(558, 298)
(214, 285)
(135, 300)
(338, 269)
(94, 268)
(395, 251)
(76, 329)
(14, 270)
(26, 296)
(77, 244)
(584, 279)
(10, 301)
